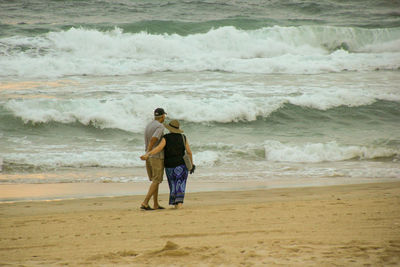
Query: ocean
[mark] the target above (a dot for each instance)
(300, 92)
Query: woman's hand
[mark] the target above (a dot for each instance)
(193, 168)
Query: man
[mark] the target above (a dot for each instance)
(154, 164)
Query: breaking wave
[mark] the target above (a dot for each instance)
(297, 50)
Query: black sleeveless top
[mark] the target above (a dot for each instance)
(174, 150)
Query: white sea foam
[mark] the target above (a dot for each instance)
(53, 159)
(133, 112)
(282, 160)
(327, 98)
(206, 158)
(113, 113)
(321, 152)
(56, 159)
(275, 151)
(306, 49)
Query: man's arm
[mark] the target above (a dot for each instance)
(153, 140)
(158, 134)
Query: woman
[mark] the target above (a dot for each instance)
(174, 145)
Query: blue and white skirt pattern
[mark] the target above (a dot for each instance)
(177, 183)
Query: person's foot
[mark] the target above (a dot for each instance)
(145, 207)
(178, 206)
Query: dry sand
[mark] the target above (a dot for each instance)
(349, 225)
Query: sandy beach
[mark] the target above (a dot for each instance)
(346, 225)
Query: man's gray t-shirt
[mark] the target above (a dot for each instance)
(154, 129)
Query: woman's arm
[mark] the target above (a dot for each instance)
(155, 150)
(188, 150)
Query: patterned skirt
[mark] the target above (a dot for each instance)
(177, 183)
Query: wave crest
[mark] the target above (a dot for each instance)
(133, 113)
(322, 152)
(304, 49)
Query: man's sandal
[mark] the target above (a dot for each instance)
(143, 207)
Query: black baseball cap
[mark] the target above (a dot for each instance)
(159, 112)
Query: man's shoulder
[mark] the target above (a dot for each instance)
(154, 126)
(150, 123)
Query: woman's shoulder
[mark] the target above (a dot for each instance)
(174, 136)
(169, 136)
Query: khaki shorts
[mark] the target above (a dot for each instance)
(155, 169)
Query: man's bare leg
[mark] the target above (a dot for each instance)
(152, 189)
(155, 197)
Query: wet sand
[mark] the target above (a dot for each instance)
(346, 225)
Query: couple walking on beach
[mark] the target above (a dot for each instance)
(166, 151)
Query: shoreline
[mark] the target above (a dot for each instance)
(10, 193)
(347, 225)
